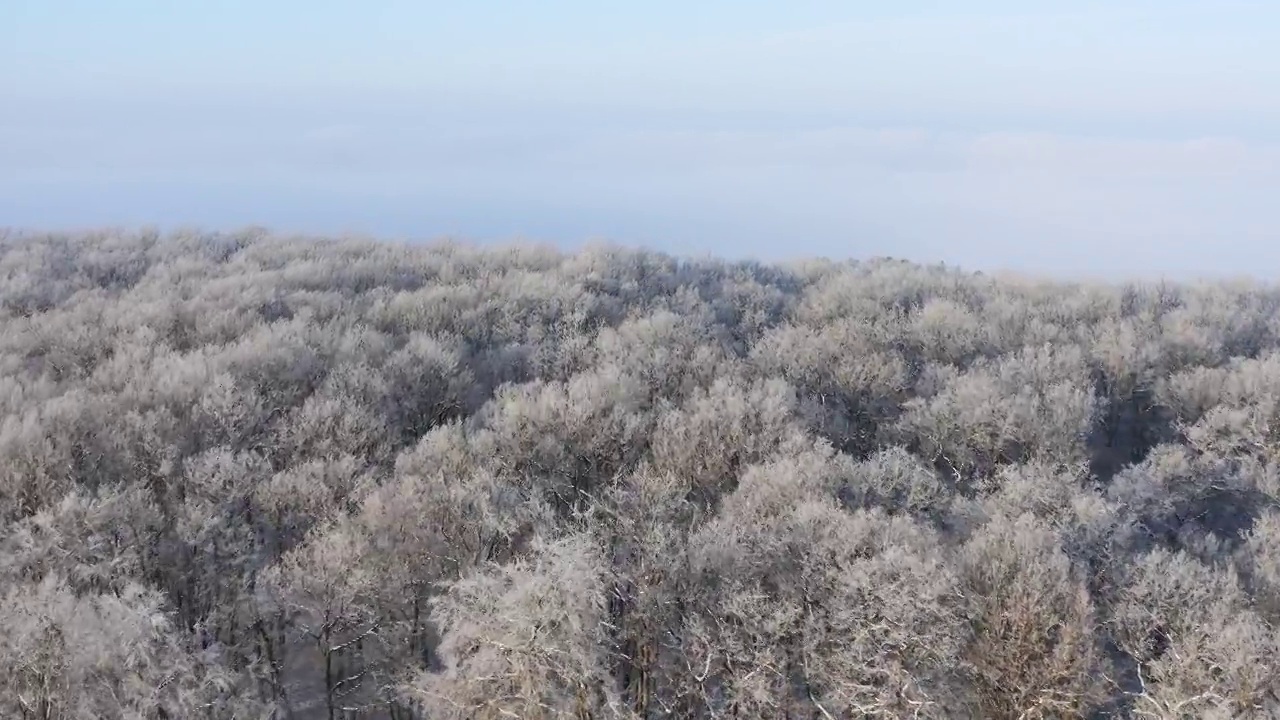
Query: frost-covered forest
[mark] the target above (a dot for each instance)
(250, 476)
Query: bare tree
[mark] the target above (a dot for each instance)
(527, 639)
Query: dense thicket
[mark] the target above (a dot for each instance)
(247, 477)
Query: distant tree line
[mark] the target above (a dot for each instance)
(250, 476)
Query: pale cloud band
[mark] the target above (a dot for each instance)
(1042, 201)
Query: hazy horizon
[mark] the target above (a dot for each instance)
(1107, 139)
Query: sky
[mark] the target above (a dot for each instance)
(1120, 138)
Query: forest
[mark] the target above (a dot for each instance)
(255, 476)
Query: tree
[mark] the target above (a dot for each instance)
(69, 657)
(1034, 651)
(323, 595)
(1199, 649)
(809, 609)
(525, 639)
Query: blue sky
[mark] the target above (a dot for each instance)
(1104, 138)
